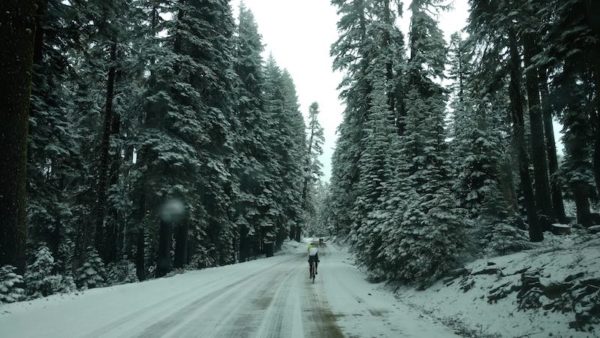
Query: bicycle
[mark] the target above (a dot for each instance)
(311, 270)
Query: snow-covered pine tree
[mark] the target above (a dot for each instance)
(571, 50)
(429, 236)
(17, 43)
(312, 167)
(578, 169)
(53, 148)
(293, 162)
(214, 80)
(105, 93)
(139, 243)
(369, 211)
(121, 272)
(386, 75)
(92, 273)
(251, 135)
(10, 285)
(320, 224)
(286, 142)
(187, 134)
(492, 23)
(40, 279)
(476, 143)
(350, 54)
(38, 272)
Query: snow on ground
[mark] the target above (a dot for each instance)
(273, 297)
(469, 302)
(364, 309)
(262, 298)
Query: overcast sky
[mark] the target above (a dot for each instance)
(299, 34)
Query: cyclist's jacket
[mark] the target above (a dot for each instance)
(313, 251)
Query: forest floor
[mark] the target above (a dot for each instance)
(549, 291)
(270, 297)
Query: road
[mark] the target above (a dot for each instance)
(264, 298)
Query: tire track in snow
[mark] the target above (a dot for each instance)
(126, 323)
(318, 314)
(154, 307)
(168, 324)
(234, 309)
(277, 319)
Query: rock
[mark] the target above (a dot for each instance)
(595, 229)
(501, 291)
(595, 217)
(573, 277)
(530, 292)
(561, 229)
(467, 284)
(557, 290)
(488, 271)
(453, 274)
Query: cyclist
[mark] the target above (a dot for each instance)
(313, 255)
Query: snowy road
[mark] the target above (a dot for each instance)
(263, 298)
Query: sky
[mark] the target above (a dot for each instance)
(299, 33)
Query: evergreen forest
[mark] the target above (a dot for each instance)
(141, 138)
(156, 137)
(447, 151)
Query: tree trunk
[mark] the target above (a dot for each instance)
(582, 203)
(140, 255)
(17, 32)
(538, 152)
(181, 244)
(596, 128)
(516, 103)
(103, 167)
(577, 144)
(507, 186)
(112, 247)
(557, 198)
(244, 244)
(165, 240)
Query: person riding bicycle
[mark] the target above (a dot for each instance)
(313, 255)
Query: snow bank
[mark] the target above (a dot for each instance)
(553, 290)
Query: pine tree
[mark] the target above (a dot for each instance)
(548, 113)
(286, 140)
(313, 167)
(531, 48)
(350, 54)
(54, 153)
(366, 231)
(428, 238)
(486, 20)
(121, 272)
(10, 285)
(572, 51)
(577, 165)
(92, 273)
(251, 136)
(17, 29)
(40, 279)
(187, 133)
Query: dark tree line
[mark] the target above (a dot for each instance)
(17, 30)
(159, 139)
